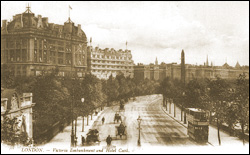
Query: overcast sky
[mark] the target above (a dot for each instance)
(156, 29)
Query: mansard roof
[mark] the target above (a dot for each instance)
(29, 20)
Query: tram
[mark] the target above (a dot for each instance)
(198, 124)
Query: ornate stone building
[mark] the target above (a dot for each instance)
(31, 45)
(105, 62)
(19, 106)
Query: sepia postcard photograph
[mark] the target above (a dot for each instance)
(124, 77)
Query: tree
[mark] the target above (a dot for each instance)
(194, 93)
(111, 90)
(242, 101)
(51, 99)
(123, 88)
(166, 88)
(92, 92)
(218, 94)
(9, 133)
(231, 117)
(7, 76)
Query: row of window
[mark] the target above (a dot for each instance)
(99, 71)
(19, 70)
(110, 57)
(122, 67)
(45, 44)
(42, 57)
(18, 56)
(17, 43)
(110, 62)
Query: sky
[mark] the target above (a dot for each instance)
(219, 30)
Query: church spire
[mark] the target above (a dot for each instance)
(207, 61)
(156, 61)
(237, 65)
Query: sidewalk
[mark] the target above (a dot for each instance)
(63, 139)
(226, 139)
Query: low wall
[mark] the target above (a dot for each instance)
(48, 134)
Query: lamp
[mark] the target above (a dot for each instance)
(139, 128)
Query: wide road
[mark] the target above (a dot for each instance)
(158, 129)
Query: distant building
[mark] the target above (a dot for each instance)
(186, 72)
(31, 45)
(183, 67)
(151, 71)
(105, 62)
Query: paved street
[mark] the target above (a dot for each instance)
(226, 139)
(158, 129)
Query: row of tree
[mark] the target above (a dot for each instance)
(60, 98)
(226, 100)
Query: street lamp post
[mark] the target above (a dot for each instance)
(183, 109)
(75, 129)
(185, 117)
(82, 117)
(72, 121)
(174, 108)
(139, 128)
(166, 102)
(169, 106)
(183, 94)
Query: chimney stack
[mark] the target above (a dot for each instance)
(4, 27)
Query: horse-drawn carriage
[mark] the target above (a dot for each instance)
(92, 136)
(121, 131)
(117, 118)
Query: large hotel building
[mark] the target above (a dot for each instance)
(106, 62)
(31, 45)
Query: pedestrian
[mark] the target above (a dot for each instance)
(83, 140)
(108, 140)
(75, 141)
(103, 120)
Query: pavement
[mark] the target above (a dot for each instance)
(64, 139)
(226, 139)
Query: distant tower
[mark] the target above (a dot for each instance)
(90, 41)
(207, 61)
(183, 67)
(156, 61)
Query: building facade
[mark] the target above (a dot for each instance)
(105, 62)
(19, 106)
(31, 45)
(187, 72)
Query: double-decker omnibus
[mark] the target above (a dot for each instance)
(198, 124)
